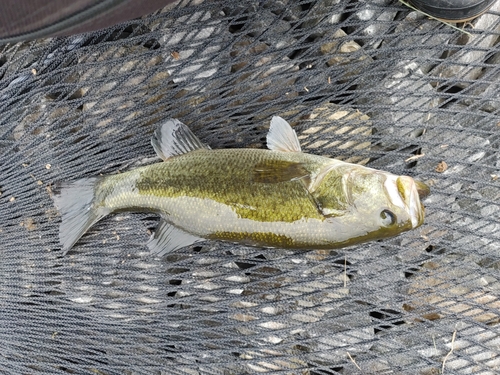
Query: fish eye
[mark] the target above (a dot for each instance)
(388, 218)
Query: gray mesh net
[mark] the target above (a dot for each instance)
(371, 82)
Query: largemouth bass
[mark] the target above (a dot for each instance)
(279, 197)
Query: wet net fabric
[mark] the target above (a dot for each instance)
(371, 82)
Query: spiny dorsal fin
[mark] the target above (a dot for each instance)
(282, 137)
(174, 138)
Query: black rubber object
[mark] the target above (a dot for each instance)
(22, 20)
(453, 10)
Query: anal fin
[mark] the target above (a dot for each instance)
(168, 238)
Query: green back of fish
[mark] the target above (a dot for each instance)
(261, 185)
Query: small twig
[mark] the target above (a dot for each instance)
(353, 361)
(468, 23)
(451, 351)
(434, 18)
(414, 157)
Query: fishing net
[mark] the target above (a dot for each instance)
(371, 82)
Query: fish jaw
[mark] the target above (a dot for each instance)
(404, 193)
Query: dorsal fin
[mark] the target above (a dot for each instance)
(282, 137)
(174, 138)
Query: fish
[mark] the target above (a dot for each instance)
(276, 197)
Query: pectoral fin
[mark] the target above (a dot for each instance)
(282, 137)
(174, 138)
(274, 171)
(168, 238)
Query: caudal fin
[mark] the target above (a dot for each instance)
(74, 200)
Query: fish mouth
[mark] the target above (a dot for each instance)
(405, 193)
(411, 191)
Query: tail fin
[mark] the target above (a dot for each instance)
(74, 200)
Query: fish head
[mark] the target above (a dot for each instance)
(365, 204)
(383, 204)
